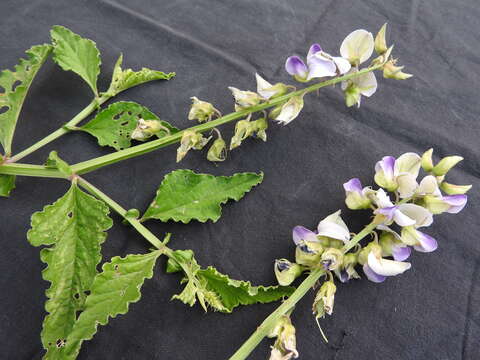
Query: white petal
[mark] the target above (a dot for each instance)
(403, 220)
(406, 185)
(408, 163)
(358, 45)
(429, 186)
(367, 84)
(387, 229)
(343, 65)
(320, 66)
(382, 199)
(262, 86)
(334, 227)
(422, 216)
(387, 267)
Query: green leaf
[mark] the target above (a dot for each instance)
(113, 126)
(14, 86)
(125, 79)
(184, 195)
(217, 290)
(77, 54)
(73, 228)
(54, 161)
(112, 291)
(7, 184)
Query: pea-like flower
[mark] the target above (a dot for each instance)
(334, 227)
(377, 269)
(419, 240)
(392, 244)
(286, 271)
(357, 47)
(365, 84)
(356, 196)
(437, 203)
(289, 111)
(332, 259)
(398, 174)
(147, 128)
(403, 214)
(319, 64)
(267, 90)
(202, 111)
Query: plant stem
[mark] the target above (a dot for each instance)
(61, 131)
(93, 164)
(147, 234)
(263, 330)
(30, 170)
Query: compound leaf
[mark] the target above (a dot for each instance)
(114, 125)
(77, 54)
(217, 290)
(14, 86)
(184, 195)
(125, 79)
(112, 291)
(73, 228)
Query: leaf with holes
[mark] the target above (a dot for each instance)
(114, 125)
(73, 228)
(217, 290)
(77, 54)
(184, 195)
(14, 86)
(117, 286)
(125, 79)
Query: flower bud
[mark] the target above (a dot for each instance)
(444, 165)
(324, 300)
(391, 71)
(286, 271)
(427, 163)
(201, 111)
(449, 203)
(147, 128)
(332, 259)
(452, 189)
(218, 150)
(308, 253)
(380, 42)
(352, 95)
(356, 197)
(244, 99)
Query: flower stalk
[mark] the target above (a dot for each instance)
(263, 330)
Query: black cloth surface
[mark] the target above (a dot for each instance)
(430, 312)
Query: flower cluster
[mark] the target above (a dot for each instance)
(395, 230)
(355, 50)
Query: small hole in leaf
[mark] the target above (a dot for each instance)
(27, 68)
(76, 296)
(125, 123)
(70, 214)
(4, 109)
(129, 113)
(60, 343)
(77, 314)
(15, 84)
(115, 267)
(87, 292)
(117, 116)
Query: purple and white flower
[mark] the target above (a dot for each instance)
(435, 201)
(403, 214)
(399, 174)
(396, 248)
(377, 269)
(319, 64)
(356, 197)
(334, 227)
(419, 240)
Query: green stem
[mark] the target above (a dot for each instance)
(63, 130)
(93, 164)
(147, 234)
(263, 330)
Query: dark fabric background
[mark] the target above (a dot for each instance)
(430, 312)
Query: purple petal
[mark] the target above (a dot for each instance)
(387, 164)
(342, 276)
(301, 233)
(319, 66)
(401, 253)
(295, 66)
(372, 275)
(389, 212)
(427, 243)
(456, 202)
(314, 49)
(353, 185)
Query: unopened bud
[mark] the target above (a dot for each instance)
(427, 163)
(380, 42)
(452, 189)
(391, 71)
(447, 163)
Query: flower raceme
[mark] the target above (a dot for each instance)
(395, 225)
